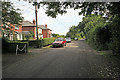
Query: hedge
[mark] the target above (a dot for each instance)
(10, 46)
(33, 43)
(47, 41)
(39, 43)
(13, 45)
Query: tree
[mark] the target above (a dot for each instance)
(55, 35)
(73, 32)
(114, 26)
(109, 8)
(32, 34)
(10, 16)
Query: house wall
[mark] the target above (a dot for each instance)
(40, 35)
(46, 33)
(30, 28)
(16, 28)
(50, 33)
(19, 29)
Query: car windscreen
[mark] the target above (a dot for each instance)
(59, 40)
(68, 39)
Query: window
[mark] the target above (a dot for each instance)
(16, 27)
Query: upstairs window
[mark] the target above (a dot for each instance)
(16, 27)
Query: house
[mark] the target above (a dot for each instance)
(16, 31)
(47, 33)
(28, 26)
(43, 31)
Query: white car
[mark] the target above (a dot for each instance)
(76, 38)
(68, 40)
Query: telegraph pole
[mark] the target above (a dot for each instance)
(36, 5)
(36, 21)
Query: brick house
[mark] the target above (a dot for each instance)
(47, 33)
(43, 31)
(28, 26)
(17, 31)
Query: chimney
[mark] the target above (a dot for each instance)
(46, 25)
(34, 21)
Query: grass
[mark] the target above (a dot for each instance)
(108, 54)
(49, 46)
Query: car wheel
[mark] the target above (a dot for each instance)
(62, 45)
(53, 46)
(65, 44)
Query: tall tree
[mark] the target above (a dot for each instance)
(10, 15)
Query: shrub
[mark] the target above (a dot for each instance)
(4, 44)
(41, 43)
(35, 43)
(47, 41)
(99, 38)
(115, 30)
(13, 45)
(10, 46)
(97, 32)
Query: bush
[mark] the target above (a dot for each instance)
(13, 45)
(47, 41)
(35, 43)
(10, 46)
(99, 38)
(115, 30)
(4, 44)
(41, 43)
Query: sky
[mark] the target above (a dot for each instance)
(59, 25)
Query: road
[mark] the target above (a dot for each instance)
(76, 60)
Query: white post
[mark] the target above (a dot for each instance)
(16, 49)
(25, 48)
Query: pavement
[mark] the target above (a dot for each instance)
(75, 60)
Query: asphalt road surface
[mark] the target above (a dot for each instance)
(76, 60)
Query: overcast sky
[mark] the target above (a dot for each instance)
(59, 25)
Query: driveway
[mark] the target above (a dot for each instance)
(76, 60)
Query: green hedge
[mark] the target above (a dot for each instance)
(41, 43)
(33, 43)
(47, 41)
(10, 46)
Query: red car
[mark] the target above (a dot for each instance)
(59, 42)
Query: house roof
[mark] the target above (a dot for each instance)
(27, 23)
(43, 27)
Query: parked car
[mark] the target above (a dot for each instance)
(68, 40)
(76, 38)
(59, 42)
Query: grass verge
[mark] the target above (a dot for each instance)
(108, 54)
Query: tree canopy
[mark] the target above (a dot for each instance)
(10, 14)
(86, 8)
